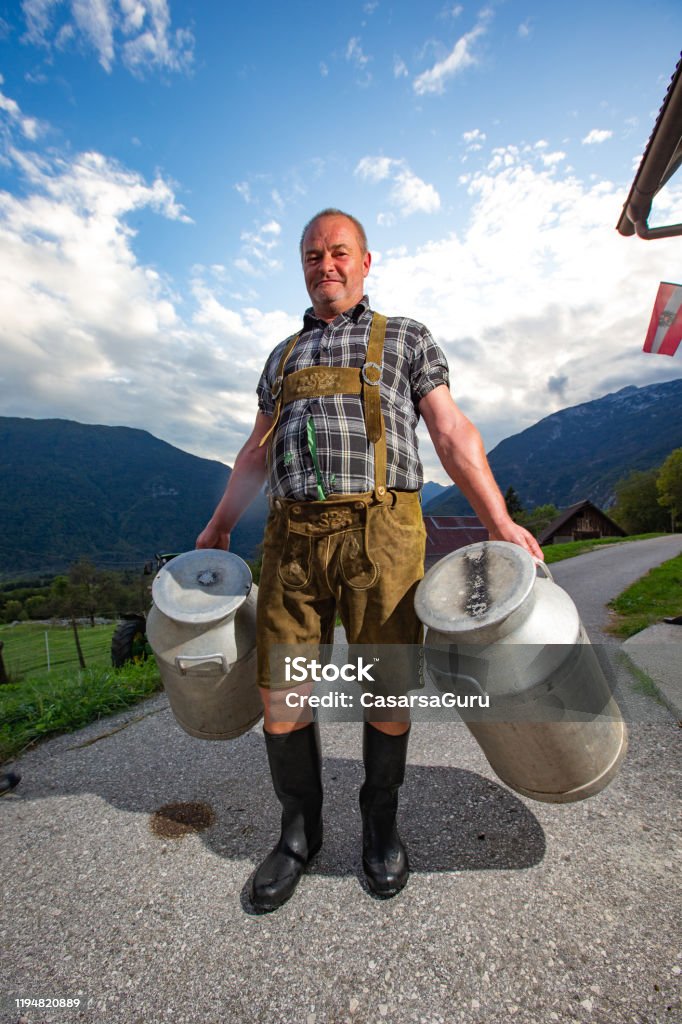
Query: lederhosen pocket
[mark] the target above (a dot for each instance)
(358, 568)
(295, 564)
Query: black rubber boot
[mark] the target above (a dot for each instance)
(296, 769)
(384, 857)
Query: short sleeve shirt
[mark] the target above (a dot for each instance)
(413, 365)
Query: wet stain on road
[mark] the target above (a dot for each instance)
(173, 821)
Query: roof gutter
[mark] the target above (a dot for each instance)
(662, 157)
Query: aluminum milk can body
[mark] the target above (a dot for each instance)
(202, 629)
(552, 730)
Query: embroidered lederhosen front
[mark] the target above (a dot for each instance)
(360, 553)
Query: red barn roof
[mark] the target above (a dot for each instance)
(448, 533)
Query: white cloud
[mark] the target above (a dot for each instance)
(412, 195)
(460, 58)
(138, 30)
(408, 193)
(596, 136)
(524, 29)
(474, 139)
(549, 159)
(355, 55)
(257, 247)
(375, 168)
(28, 125)
(399, 68)
(244, 190)
(537, 291)
(90, 333)
(354, 52)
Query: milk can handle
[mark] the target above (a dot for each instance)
(539, 564)
(474, 683)
(185, 662)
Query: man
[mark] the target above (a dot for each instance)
(335, 436)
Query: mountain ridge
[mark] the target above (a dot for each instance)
(582, 451)
(118, 494)
(112, 494)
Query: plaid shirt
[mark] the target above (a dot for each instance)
(412, 366)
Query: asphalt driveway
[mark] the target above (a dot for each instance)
(515, 910)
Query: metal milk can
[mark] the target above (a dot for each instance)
(500, 627)
(202, 629)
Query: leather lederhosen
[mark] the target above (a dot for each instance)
(362, 554)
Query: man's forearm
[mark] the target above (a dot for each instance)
(246, 480)
(464, 460)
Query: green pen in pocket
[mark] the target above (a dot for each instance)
(312, 448)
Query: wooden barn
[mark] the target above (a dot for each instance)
(582, 521)
(447, 533)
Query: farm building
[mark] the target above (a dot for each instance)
(448, 533)
(582, 521)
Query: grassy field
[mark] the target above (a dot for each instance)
(656, 596)
(47, 703)
(27, 646)
(558, 552)
(39, 702)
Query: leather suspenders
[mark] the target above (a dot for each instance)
(319, 381)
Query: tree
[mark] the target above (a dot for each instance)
(12, 611)
(669, 485)
(637, 508)
(38, 607)
(513, 503)
(84, 581)
(538, 519)
(68, 600)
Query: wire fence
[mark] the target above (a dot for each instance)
(34, 647)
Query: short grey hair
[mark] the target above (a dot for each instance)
(331, 211)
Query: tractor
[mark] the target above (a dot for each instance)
(129, 642)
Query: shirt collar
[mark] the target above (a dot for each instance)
(354, 314)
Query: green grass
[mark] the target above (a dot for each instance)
(61, 701)
(25, 649)
(558, 552)
(656, 596)
(642, 682)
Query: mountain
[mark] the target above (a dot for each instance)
(112, 494)
(432, 490)
(582, 452)
(118, 495)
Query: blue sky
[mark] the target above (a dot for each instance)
(159, 159)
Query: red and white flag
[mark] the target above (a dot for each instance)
(665, 328)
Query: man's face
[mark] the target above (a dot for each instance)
(334, 266)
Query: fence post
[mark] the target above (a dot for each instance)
(4, 678)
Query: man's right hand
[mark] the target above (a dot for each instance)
(212, 537)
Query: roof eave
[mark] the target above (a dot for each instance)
(662, 158)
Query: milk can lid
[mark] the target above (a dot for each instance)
(202, 586)
(477, 586)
